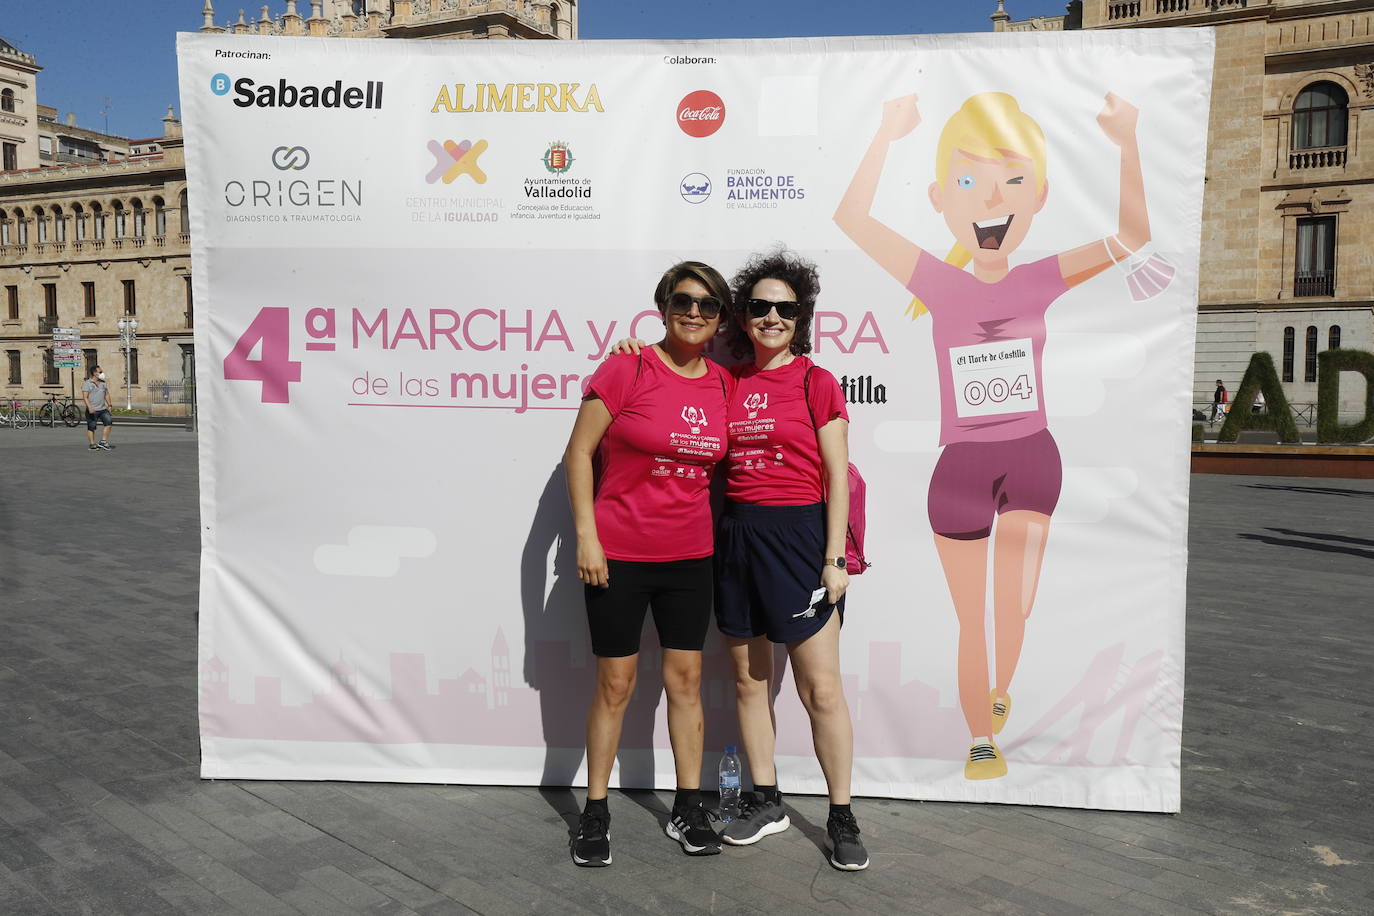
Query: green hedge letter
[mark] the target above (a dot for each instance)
(1330, 365)
(1260, 376)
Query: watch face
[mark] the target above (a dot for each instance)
(839, 562)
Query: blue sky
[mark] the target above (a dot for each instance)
(97, 54)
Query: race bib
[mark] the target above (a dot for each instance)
(994, 378)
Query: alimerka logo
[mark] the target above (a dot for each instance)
(700, 113)
(454, 159)
(281, 94)
(465, 97)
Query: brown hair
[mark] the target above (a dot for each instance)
(704, 274)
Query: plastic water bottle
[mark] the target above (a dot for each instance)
(729, 784)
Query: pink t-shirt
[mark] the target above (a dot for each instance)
(666, 434)
(989, 342)
(774, 457)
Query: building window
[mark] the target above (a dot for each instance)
(1288, 341)
(184, 213)
(89, 359)
(1333, 337)
(119, 220)
(16, 374)
(190, 304)
(7, 100)
(1319, 116)
(130, 298)
(11, 156)
(4, 229)
(159, 219)
(1309, 369)
(88, 297)
(140, 220)
(98, 221)
(133, 366)
(12, 298)
(42, 223)
(50, 300)
(1316, 258)
(23, 225)
(50, 376)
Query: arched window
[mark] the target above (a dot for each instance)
(119, 219)
(184, 213)
(1288, 344)
(140, 218)
(159, 218)
(59, 225)
(1309, 371)
(79, 221)
(97, 221)
(7, 100)
(4, 228)
(1320, 117)
(1333, 337)
(41, 224)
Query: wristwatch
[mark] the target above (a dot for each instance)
(837, 562)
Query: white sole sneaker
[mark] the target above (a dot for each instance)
(766, 830)
(687, 847)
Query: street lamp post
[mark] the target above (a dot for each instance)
(128, 336)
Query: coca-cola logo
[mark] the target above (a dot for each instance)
(700, 113)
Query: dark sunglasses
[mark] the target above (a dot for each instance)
(707, 306)
(787, 311)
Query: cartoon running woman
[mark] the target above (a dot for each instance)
(999, 464)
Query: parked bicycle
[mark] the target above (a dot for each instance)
(15, 414)
(56, 409)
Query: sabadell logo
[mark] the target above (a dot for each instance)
(700, 113)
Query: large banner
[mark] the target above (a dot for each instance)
(410, 256)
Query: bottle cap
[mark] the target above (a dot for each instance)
(729, 749)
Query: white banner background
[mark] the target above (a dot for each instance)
(388, 590)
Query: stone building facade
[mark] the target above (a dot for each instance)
(1288, 211)
(94, 227)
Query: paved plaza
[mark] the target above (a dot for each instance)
(102, 810)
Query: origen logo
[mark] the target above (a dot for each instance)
(294, 158)
(454, 159)
(700, 113)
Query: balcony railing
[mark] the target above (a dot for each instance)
(1314, 283)
(1327, 157)
(1123, 10)
(1171, 6)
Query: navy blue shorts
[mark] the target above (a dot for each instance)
(678, 592)
(768, 570)
(98, 416)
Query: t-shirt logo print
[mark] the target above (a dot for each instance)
(754, 403)
(695, 418)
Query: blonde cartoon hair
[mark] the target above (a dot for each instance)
(990, 125)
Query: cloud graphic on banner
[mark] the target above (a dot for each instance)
(1088, 493)
(1075, 382)
(374, 550)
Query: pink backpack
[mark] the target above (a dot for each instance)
(854, 560)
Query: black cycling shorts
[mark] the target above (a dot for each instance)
(678, 592)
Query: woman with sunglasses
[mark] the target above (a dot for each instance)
(655, 423)
(780, 544)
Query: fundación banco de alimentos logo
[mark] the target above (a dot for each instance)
(452, 160)
(695, 188)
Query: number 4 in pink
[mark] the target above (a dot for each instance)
(274, 366)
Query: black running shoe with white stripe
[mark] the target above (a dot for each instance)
(757, 819)
(847, 851)
(592, 845)
(691, 826)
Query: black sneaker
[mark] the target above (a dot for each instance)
(847, 851)
(692, 828)
(93, 447)
(105, 445)
(592, 845)
(757, 819)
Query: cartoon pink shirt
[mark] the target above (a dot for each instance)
(989, 342)
(666, 434)
(774, 457)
